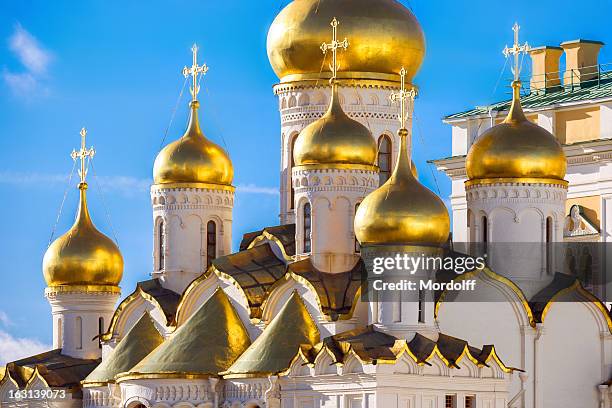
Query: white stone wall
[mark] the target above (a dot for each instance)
(185, 213)
(333, 195)
(299, 106)
(517, 213)
(76, 320)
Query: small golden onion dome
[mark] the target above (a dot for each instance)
(516, 149)
(402, 211)
(193, 158)
(335, 139)
(384, 36)
(83, 255)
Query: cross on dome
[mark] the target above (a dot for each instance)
(194, 71)
(83, 154)
(516, 50)
(333, 46)
(402, 96)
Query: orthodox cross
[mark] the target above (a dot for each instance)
(333, 46)
(83, 154)
(516, 50)
(402, 96)
(194, 71)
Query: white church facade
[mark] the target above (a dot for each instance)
(285, 321)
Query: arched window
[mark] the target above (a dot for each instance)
(421, 311)
(307, 227)
(384, 158)
(78, 332)
(60, 332)
(485, 234)
(549, 240)
(357, 244)
(290, 174)
(161, 246)
(211, 242)
(100, 330)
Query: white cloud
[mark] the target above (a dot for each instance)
(20, 84)
(34, 58)
(15, 348)
(29, 52)
(4, 319)
(124, 185)
(253, 189)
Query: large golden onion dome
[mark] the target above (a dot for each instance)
(193, 159)
(335, 139)
(402, 211)
(83, 256)
(516, 150)
(384, 35)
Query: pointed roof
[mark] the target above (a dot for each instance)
(208, 343)
(141, 340)
(274, 349)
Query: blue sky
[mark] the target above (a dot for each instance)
(114, 67)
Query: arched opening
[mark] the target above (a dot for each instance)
(100, 330)
(78, 333)
(161, 246)
(485, 233)
(307, 227)
(421, 311)
(384, 158)
(357, 244)
(211, 242)
(549, 240)
(290, 172)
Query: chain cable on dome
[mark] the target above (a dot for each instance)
(422, 141)
(178, 101)
(59, 212)
(106, 211)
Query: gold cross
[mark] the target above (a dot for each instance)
(333, 46)
(83, 154)
(401, 96)
(194, 71)
(516, 50)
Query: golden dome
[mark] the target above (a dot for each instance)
(193, 158)
(83, 255)
(384, 36)
(335, 139)
(402, 211)
(516, 149)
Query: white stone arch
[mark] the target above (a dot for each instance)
(324, 364)
(526, 210)
(283, 103)
(405, 365)
(436, 367)
(292, 103)
(352, 365)
(200, 290)
(281, 294)
(130, 310)
(466, 368)
(303, 99)
(300, 367)
(183, 404)
(373, 99)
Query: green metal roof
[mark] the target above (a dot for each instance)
(595, 89)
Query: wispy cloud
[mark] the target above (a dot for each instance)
(34, 58)
(254, 189)
(4, 319)
(14, 348)
(124, 185)
(30, 53)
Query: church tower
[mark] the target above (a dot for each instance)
(192, 198)
(402, 217)
(82, 269)
(516, 193)
(365, 77)
(334, 170)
